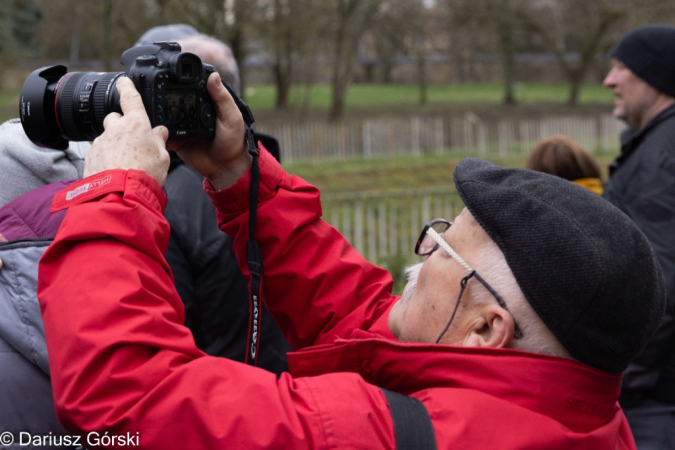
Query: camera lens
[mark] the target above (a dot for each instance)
(57, 107)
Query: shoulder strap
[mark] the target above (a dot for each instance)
(412, 424)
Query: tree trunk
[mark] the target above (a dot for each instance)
(575, 87)
(422, 78)
(283, 85)
(505, 32)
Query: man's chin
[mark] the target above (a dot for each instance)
(619, 113)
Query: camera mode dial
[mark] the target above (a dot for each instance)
(147, 61)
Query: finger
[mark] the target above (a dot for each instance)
(110, 117)
(130, 99)
(0, 264)
(162, 132)
(2, 238)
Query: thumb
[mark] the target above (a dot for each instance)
(222, 100)
(161, 132)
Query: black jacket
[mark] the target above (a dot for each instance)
(642, 184)
(208, 279)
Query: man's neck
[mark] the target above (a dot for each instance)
(662, 103)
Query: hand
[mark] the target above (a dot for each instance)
(129, 142)
(224, 159)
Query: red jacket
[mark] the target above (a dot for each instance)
(121, 362)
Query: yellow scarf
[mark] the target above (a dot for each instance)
(592, 184)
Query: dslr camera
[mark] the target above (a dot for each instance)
(56, 106)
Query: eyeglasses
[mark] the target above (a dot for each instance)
(429, 241)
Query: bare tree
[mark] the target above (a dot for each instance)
(500, 19)
(287, 29)
(352, 17)
(575, 25)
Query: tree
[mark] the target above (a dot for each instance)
(575, 25)
(502, 20)
(18, 20)
(405, 27)
(352, 18)
(288, 29)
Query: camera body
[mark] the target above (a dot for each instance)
(57, 106)
(172, 85)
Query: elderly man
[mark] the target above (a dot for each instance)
(512, 334)
(642, 184)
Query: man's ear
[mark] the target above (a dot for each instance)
(494, 327)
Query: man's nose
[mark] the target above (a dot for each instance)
(609, 79)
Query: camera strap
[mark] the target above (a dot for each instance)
(253, 253)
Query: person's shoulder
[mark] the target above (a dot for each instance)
(29, 215)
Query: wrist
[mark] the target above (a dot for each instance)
(232, 173)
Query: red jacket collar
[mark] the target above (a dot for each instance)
(577, 395)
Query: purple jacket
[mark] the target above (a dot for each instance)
(28, 216)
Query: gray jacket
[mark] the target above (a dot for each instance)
(25, 388)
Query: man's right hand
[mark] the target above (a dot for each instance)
(225, 159)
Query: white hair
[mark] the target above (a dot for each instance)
(492, 266)
(215, 52)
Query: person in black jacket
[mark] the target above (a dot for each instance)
(642, 184)
(206, 273)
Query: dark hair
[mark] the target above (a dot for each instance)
(563, 157)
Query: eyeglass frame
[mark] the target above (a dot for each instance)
(428, 230)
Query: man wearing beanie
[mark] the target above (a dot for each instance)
(512, 333)
(642, 184)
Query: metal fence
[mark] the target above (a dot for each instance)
(419, 135)
(384, 227)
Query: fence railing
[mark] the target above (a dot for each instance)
(433, 134)
(384, 227)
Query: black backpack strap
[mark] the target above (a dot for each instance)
(412, 424)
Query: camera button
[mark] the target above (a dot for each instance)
(208, 115)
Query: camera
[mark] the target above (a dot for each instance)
(56, 106)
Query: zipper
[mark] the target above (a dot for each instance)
(25, 240)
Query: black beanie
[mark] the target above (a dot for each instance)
(649, 51)
(584, 266)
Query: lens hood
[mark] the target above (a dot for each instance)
(36, 107)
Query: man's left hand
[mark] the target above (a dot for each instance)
(129, 141)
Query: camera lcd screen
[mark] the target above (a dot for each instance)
(181, 110)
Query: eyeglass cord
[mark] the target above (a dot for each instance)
(462, 284)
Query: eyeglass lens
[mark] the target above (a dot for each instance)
(427, 243)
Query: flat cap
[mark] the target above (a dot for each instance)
(583, 265)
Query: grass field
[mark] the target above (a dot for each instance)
(400, 172)
(368, 99)
(366, 96)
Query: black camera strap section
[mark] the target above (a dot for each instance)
(253, 253)
(254, 256)
(412, 424)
